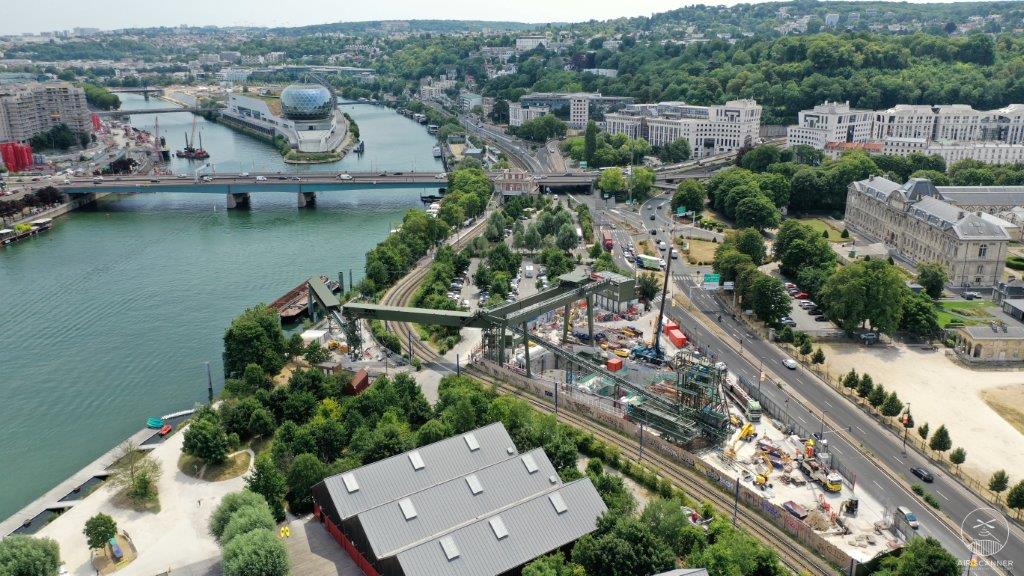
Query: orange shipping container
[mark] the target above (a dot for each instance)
(668, 326)
(677, 338)
(614, 364)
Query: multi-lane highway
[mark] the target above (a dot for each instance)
(874, 454)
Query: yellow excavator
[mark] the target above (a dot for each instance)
(745, 433)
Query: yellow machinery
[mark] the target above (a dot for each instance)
(747, 432)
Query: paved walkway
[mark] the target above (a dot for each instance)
(175, 537)
(314, 553)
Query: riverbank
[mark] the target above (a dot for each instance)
(67, 494)
(56, 211)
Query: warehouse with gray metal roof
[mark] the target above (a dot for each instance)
(407, 514)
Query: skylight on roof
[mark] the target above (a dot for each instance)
(474, 484)
(350, 482)
(498, 526)
(558, 502)
(408, 510)
(416, 459)
(451, 551)
(472, 442)
(530, 463)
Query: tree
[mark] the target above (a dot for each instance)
(691, 195)
(553, 565)
(246, 520)
(315, 353)
(877, 396)
(866, 386)
(750, 242)
(919, 317)
(231, 503)
(805, 348)
(256, 553)
(28, 556)
(647, 287)
(819, 357)
(625, 548)
(205, 439)
(611, 181)
(136, 473)
(933, 277)
(306, 470)
(675, 151)
(922, 431)
(255, 337)
(940, 441)
(758, 212)
(892, 406)
(641, 182)
(871, 291)
(261, 423)
(668, 522)
(921, 557)
(499, 112)
(267, 481)
(998, 482)
(851, 380)
(770, 300)
(958, 456)
(567, 238)
(1015, 499)
(590, 142)
(99, 530)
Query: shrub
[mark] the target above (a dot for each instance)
(227, 507)
(255, 553)
(247, 519)
(917, 489)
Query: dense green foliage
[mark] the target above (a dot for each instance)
(60, 137)
(921, 557)
(100, 97)
(255, 553)
(28, 556)
(99, 530)
(609, 150)
(540, 129)
(254, 337)
(205, 437)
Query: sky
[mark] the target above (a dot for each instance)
(19, 16)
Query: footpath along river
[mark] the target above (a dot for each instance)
(108, 318)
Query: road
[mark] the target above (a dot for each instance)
(816, 406)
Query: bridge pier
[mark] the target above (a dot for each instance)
(307, 199)
(238, 200)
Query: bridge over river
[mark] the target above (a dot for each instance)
(238, 187)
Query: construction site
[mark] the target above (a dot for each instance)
(589, 337)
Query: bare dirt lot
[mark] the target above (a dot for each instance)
(981, 409)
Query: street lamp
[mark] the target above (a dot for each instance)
(906, 418)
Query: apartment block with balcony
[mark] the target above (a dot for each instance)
(830, 122)
(29, 109)
(710, 130)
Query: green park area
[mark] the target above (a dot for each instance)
(963, 312)
(821, 226)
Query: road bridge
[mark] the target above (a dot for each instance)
(168, 110)
(238, 186)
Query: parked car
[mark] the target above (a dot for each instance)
(787, 321)
(801, 296)
(789, 285)
(789, 363)
(821, 318)
(652, 217)
(922, 474)
(654, 232)
(971, 295)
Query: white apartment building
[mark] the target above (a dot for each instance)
(919, 224)
(954, 122)
(527, 43)
(517, 114)
(29, 109)
(710, 130)
(579, 111)
(830, 122)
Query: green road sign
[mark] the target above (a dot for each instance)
(709, 278)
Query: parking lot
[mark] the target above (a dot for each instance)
(804, 314)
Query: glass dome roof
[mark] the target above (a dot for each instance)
(307, 102)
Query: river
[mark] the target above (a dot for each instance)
(108, 318)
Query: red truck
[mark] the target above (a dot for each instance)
(606, 240)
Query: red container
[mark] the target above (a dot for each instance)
(668, 326)
(677, 338)
(614, 364)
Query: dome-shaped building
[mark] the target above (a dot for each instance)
(307, 102)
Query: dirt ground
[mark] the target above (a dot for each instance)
(974, 405)
(701, 251)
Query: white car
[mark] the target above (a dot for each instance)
(261, 178)
(789, 363)
(441, 176)
(183, 176)
(244, 175)
(344, 176)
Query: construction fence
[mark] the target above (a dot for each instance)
(614, 419)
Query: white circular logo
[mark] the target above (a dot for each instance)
(985, 531)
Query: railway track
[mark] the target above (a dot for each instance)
(794, 555)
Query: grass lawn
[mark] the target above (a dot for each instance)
(968, 312)
(701, 251)
(820, 225)
(233, 467)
